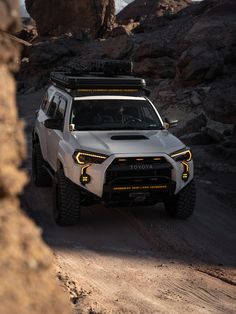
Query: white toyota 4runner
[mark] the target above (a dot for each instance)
(99, 138)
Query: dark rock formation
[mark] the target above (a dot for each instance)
(220, 103)
(207, 46)
(57, 17)
(26, 272)
(141, 9)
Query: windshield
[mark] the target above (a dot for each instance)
(114, 114)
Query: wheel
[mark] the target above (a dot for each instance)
(40, 175)
(182, 205)
(66, 207)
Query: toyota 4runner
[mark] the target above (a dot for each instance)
(98, 138)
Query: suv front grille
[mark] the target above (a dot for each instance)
(138, 171)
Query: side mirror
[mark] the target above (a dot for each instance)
(170, 123)
(53, 124)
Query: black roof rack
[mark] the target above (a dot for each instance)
(110, 77)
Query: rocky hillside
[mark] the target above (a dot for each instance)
(191, 59)
(188, 58)
(28, 283)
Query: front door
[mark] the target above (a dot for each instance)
(56, 111)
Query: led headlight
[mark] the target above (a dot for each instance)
(184, 155)
(84, 157)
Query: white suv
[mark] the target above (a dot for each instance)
(98, 140)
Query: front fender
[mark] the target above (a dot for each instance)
(65, 153)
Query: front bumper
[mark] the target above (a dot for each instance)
(117, 182)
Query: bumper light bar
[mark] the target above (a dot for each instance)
(138, 188)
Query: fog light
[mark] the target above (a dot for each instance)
(185, 174)
(85, 178)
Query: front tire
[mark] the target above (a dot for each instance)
(66, 207)
(181, 206)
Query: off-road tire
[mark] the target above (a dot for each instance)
(41, 178)
(182, 205)
(66, 199)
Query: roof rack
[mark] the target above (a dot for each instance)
(101, 78)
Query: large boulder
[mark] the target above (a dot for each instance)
(220, 103)
(119, 47)
(28, 284)
(154, 60)
(207, 47)
(92, 18)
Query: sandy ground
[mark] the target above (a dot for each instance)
(140, 261)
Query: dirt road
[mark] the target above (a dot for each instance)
(139, 261)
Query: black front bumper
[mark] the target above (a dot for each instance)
(145, 183)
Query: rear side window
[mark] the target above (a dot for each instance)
(45, 103)
(60, 114)
(53, 106)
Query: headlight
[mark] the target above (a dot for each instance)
(184, 155)
(84, 157)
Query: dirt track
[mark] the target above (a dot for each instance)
(141, 261)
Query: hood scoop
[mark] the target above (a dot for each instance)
(128, 137)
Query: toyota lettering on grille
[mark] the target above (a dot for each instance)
(141, 167)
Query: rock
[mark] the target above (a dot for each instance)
(119, 31)
(195, 99)
(28, 33)
(27, 281)
(43, 57)
(11, 178)
(190, 124)
(155, 49)
(206, 47)
(49, 52)
(197, 138)
(220, 102)
(154, 60)
(117, 48)
(163, 67)
(218, 131)
(139, 9)
(199, 63)
(130, 25)
(93, 18)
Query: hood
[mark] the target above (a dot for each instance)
(127, 142)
